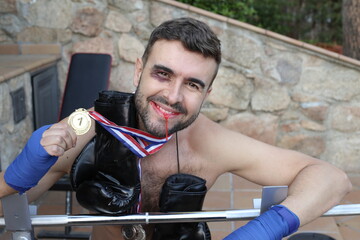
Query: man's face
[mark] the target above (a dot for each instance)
(171, 86)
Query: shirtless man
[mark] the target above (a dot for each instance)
(173, 78)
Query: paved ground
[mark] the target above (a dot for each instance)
(230, 192)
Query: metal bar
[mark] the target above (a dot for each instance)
(146, 218)
(343, 210)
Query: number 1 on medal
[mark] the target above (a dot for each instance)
(80, 121)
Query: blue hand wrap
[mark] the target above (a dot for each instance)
(274, 224)
(30, 165)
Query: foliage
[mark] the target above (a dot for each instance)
(308, 20)
(240, 10)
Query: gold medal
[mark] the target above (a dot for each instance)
(80, 121)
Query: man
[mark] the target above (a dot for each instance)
(173, 79)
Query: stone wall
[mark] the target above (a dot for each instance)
(272, 88)
(14, 136)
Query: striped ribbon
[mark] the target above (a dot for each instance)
(139, 142)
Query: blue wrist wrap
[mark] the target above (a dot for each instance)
(274, 224)
(30, 165)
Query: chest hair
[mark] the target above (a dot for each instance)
(157, 168)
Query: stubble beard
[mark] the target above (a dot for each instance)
(158, 129)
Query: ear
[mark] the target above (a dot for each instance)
(138, 71)
(208, 91)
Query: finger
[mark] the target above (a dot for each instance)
(60, 138)
(72, 135)
(55, 139)
(54, 150)
(60, 135)
(69, 135)
(70, 131)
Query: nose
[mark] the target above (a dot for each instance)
(173, 93)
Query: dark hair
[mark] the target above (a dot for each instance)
(195, 36)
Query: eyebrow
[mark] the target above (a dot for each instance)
(197, 81)
(166, 69)
(162, 67)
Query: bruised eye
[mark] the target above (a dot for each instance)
(164, 74)
(161, 75)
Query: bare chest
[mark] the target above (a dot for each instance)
(157, 168)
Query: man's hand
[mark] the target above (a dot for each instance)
(276, 223)
(58, 139)
(40, 153)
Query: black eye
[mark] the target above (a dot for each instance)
(163, 74)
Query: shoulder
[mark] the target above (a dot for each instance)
(216, 143)
(207, 131)
(230, 150)
(204, 130)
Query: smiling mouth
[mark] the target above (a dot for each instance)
(163, 112)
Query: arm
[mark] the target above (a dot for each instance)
(314, 185)
(4, 188)
(60, 141)
(315, 189)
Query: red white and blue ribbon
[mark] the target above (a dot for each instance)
(139, 142)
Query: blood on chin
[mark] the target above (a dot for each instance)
(164, 117)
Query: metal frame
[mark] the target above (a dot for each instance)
(17, 216)
(147, 218)
(18, 220)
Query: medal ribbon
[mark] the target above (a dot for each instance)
(139, 142)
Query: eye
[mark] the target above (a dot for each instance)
(193, 85)
(162, 75)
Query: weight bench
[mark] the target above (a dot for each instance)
(18, 220)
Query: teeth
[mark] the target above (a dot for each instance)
(165, 110)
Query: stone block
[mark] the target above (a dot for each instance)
(159, 13)
(270, 99)
(313, 126)
(290, 127)
(345, 118)
(289, 71)
(344, 152)
(230, 89)
(96, 45)
(262, 127)
(117, 22)
(215, 114)
(285, 67)
(88, 21)
(331, 82)
(121, 79)
(311, 145)
(51, 14)
(5, 104)
(44, 35)
(240, 49)
(8, 6)
(130, 48)
(315, 110)
(127, 5)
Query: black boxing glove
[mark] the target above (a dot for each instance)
(105, 176)
(182, 193)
